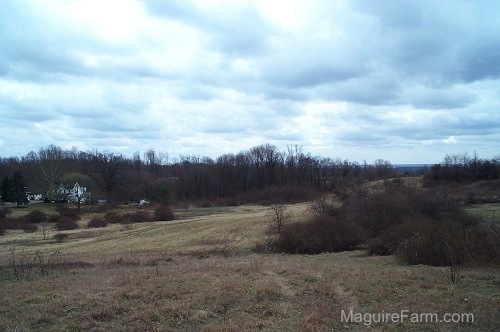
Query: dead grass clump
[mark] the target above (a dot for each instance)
(222, 251)
(124, 262)
(230, 291)
(177, 310)
(157, 260)
(199, 316)
(66, 265)
(268, 290)
(318, 318)
(107, 313)
(226, 326)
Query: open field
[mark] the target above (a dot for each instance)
(488, 212)
(46, 208)
(199, 273)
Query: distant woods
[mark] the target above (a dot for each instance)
(463, 167)
(153, 175)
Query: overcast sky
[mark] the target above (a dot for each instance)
(407, 81)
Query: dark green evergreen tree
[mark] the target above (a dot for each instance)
(5, 190)
(18, 189)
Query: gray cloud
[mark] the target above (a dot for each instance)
(355, 77)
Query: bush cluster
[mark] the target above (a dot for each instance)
(101, 208)
(16, 223)
(64, 223)
(36, 216)
(97, 223)
(114, 217)
(60, 237)
(71, 213)
(163, 213)
(138, 217)
(320, 234)
(418, 226)
(4, 211)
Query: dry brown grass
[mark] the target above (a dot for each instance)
(247, 292)
(198, 274)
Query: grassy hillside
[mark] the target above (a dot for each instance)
(199, 273)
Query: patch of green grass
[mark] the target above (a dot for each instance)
(488, 212)
(24, 210)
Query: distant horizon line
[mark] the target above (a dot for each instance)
(175, 157)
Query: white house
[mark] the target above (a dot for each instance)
(77, 194)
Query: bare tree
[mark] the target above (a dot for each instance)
(48, 168)
(45, 230)
(106, 171)
(324, 205)
(279, 215)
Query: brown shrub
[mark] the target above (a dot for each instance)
(231, 202)
(55, 218)
(114, 217)
(97, 208)
(439, 244)
(320, 234)
(4, 211)
(138, 217)
(60, 237)
(205, 204)
(388, 242)
(36, 216)
(66, 223)
(97, 222)
(13, 223)
(163, 212)
(485, 243)
(30, 228)
(68, 212)
(18, 223)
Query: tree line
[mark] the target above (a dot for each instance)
(464, 167)
(153, 175)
